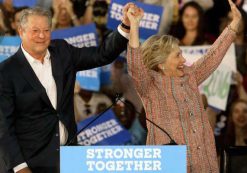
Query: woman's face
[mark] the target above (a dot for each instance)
(174, 64)
(190, 18)
(63, 17)
(239, 115)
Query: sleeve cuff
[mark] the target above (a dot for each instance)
(20, 167)
(134, 48)
(124, 34)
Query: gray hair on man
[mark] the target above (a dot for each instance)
(36, 11)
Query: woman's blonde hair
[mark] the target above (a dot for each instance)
(156, 49)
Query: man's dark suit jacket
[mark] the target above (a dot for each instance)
(29, 124)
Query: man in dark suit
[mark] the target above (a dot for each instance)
(36, 92)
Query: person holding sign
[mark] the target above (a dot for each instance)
(169, 90)
(37, 89)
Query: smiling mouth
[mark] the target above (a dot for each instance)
(241, 119)
(181, 67)
(40, 42)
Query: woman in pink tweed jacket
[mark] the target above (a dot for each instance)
(169, 90)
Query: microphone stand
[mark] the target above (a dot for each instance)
(117, 98)
(172, 142)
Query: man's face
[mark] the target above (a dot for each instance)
(36, 35)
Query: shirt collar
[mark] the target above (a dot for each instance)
(31, 59)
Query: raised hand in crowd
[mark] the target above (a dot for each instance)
(88, 15)
(64, 15)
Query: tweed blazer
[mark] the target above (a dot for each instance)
(175, 104)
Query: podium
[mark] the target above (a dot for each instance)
(124, 159)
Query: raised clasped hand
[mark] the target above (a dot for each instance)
(135, 15)
(236, 16)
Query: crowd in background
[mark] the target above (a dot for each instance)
(197, 22)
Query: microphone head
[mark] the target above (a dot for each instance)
(118, 97)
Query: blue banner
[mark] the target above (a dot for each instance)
(124, 159)
(105, 75)
(89, 79)
(106, 130)
(24, 3)
(82, 36)
(149, 24)
(8, 46)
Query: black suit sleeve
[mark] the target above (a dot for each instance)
(91, 57)
(9, 147)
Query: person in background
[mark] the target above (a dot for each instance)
(240, 41)
(7, 13)
(87, 16)
(100, 9)
(126, 114)
(123, 84)
(16, 19)
(236, 132)
(214, 15)
(64, 16)
(3, 28)
(86, 103)
(190, 26)
(37, 91)
(169, 13)
(169, 90)
(205, 4)
(47, 4)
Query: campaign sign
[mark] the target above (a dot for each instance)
(106, 130)
(149, 25)
(124, 159)
(217, 86)
(8, 46)
(24, 3)
(105, 75)
(82, 36)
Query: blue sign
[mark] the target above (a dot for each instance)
(124, 159)
(8, 46)
(149, 24)
(82, 36)
(105, 75)
(106, 130)
(89, 79)
(24, 3)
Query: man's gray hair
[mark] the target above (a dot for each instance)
(36, 11)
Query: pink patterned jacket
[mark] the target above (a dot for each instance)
(175, 104)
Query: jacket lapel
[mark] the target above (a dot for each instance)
(57, 73)
(30, 76)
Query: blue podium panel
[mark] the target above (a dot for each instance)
(124, 159)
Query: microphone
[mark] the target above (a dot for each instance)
(172, 141)
(117, 98)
